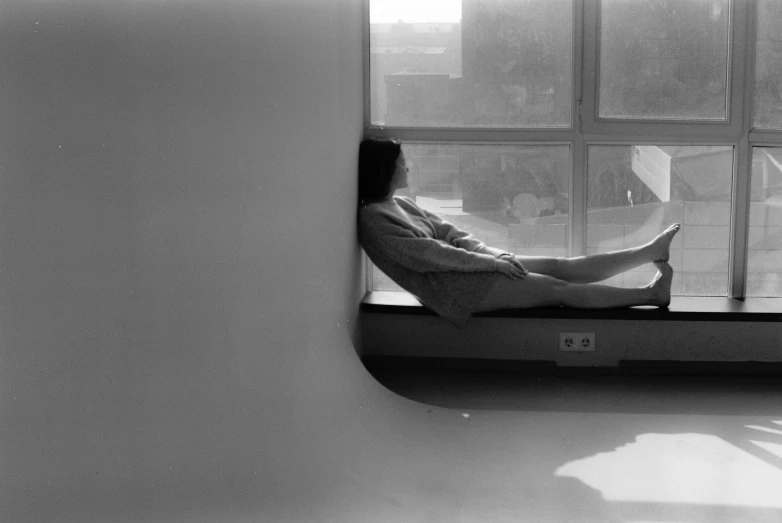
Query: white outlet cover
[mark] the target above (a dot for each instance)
(577, 341)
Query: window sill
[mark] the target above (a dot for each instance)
(682, 308)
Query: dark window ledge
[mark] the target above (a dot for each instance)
(382, 365)
(682, 308)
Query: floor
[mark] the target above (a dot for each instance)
(617, 449)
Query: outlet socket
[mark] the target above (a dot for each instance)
(577, 341)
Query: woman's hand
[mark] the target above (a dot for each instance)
(511, 267)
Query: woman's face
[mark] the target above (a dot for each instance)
(399, 180)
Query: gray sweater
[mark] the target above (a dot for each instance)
(447, 269)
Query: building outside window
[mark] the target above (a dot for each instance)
(572, 127)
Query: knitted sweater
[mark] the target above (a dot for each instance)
(447, 269)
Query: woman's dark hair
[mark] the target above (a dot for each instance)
(376, 166)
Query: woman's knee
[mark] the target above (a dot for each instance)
(555, 267)
(562, 268)
(556, 288)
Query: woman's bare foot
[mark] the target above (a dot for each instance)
(660, 247)
(661, 285)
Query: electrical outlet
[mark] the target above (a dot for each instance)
(577, 341)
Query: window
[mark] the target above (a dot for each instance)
(481, 64)
(635, 191)
(764, 267)
(768, 66)
(664, 59)
(572, 127)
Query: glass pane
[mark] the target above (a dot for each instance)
(764, 259)
(664, 60)
(471, 63)
(636, 191)
(768, 66)
(514, 198)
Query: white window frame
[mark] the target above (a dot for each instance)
(587, 128)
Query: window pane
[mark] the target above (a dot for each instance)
(664, 60)
(636, 191)
(514, 198)
(764, 260)
(471, 63)
(768, 66)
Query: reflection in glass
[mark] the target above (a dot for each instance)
(764, 259)
(504, 63)
(636, 191)
(514, 198)
(663, 60)
(768, 66)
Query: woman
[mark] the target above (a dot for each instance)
(456, 275)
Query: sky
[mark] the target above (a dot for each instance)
(415, 11)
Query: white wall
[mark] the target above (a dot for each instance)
(178, 259)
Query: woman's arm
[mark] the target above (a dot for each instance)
(422, 254)
(451, 234)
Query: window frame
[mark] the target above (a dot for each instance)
(587, 128)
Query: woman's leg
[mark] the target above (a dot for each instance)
(537, 290)
(599, 267)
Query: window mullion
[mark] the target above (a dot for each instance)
(578, 201)
(576, 241)
(589, 59)
(744, 83)
(472, 135)
(765, 138)
(737, 271)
